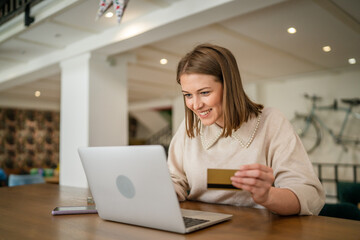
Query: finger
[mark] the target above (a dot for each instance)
(247, 181)
(256, 174)
(253, 190)
(257, 192)
(251, 173)
(241, 186)
(238, 185)
(253, 182)
(259, 195)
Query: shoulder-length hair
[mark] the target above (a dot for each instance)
(219, 62)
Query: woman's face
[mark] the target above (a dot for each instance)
(203, 95)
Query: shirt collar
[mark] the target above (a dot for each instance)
(244, 135)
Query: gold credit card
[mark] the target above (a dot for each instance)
(220, 179)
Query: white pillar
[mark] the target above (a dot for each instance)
(74, 118)
(109, 100)
(94, 110)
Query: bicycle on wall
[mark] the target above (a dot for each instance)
(307, 126)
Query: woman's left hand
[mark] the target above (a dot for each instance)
(255, 178)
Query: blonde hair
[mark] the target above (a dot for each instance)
(219, 62)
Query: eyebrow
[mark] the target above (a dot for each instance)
(199, 90)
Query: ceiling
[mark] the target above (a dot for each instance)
(258, 38)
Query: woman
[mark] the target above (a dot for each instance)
(224, 129)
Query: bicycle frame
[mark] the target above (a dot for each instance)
(312, 115)
(308, 126)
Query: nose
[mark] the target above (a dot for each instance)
(197, 103)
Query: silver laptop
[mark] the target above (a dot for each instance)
(132, 184)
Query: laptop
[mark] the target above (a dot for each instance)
(132, 185)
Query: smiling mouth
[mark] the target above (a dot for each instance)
(205, 113)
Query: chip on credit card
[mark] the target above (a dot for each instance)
(219, 179)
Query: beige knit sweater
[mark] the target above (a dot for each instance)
(268, 139)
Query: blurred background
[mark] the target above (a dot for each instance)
(67, 80)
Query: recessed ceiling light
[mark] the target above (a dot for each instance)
(291, 30)
(352, 60)
(326, 48)
(109, 15)
(37, 93)
(163, 61)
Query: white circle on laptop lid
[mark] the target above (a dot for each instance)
(125, 186)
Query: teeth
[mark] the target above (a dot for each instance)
(204, 113)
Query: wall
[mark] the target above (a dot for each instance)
(288, 97)
(28, 139)
(178, 112)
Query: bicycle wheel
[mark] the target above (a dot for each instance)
(308, 131)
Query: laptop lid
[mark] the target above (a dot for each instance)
(132, 184)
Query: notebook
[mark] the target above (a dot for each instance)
(132, 185)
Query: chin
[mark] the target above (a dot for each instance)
(207, 123)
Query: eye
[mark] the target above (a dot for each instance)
(205, 93)
(187, 95)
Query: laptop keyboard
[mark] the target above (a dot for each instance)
(190, 222)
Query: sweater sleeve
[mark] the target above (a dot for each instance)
(176, 164)
(292, 167)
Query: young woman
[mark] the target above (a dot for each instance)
(224, 129)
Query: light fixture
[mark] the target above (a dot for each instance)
(163, 61)
(291, 30)
(326, 48)
(109, 14)
(37, 93)
(352, 60)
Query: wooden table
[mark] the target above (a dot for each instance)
(54, 179)
(25, 213)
